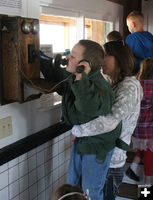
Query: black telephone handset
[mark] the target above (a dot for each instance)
(80, 69)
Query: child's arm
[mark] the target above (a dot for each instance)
(93, 95)
(54, 74)
(126, 100)
(51, 72)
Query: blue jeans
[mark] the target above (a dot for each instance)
(113, 181)
(88, 172)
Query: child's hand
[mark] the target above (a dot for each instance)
(87, 69)
(78, 76)
(73, 138)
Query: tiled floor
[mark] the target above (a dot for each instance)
(121, 198)
(140, 172)
(128, 180)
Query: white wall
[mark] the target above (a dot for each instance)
(147, 9)
(97, 9)
(100, 9)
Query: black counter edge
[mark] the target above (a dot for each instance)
(26, 144)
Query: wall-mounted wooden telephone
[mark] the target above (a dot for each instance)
(18, 38)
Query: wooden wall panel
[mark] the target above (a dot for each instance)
(10, 60)
(98, 31)
(15, 58)
(118, 1)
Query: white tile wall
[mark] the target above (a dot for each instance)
(13, 162)
(23, 168)
(13, 189)
(33, 191)
(41, 171)
(4, 179)
(36, 174)
(13, 174)
(40, 158)
(3, 167)
(23, 183)
(41, 185)
(32, 162)
(16, 198)
(23, 157)
(32, 177)
(24, 195)
(4, 193)
(41, 196)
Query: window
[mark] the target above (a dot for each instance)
(97, 30)
(60, 32)
(56, 35)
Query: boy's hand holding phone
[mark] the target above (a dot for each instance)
(86, 69)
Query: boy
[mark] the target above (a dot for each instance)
(140, 41)
(114, 36)
(85, 96)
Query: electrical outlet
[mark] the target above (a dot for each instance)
(5, 127)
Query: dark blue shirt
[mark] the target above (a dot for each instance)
(141, 44)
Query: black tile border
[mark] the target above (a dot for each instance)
(24, 145)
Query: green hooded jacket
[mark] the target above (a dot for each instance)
(83, 101)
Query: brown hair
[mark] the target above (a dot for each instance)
(124, 59)
(146, 69)
(76, 193)
(93, 53)
(114, 36)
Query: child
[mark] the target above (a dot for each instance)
(69, 192)
(85, 96)
(114, 36)
(143, 135)
(118, 65)
(140, 41)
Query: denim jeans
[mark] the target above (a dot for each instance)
(113, 180)
(88, 172)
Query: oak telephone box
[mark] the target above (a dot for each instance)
(18, 38)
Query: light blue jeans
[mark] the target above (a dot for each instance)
(88, 172)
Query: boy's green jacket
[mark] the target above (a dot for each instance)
(83, 101)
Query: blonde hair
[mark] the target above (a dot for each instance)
(146, 69)
(69, 192)
(137, 17)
